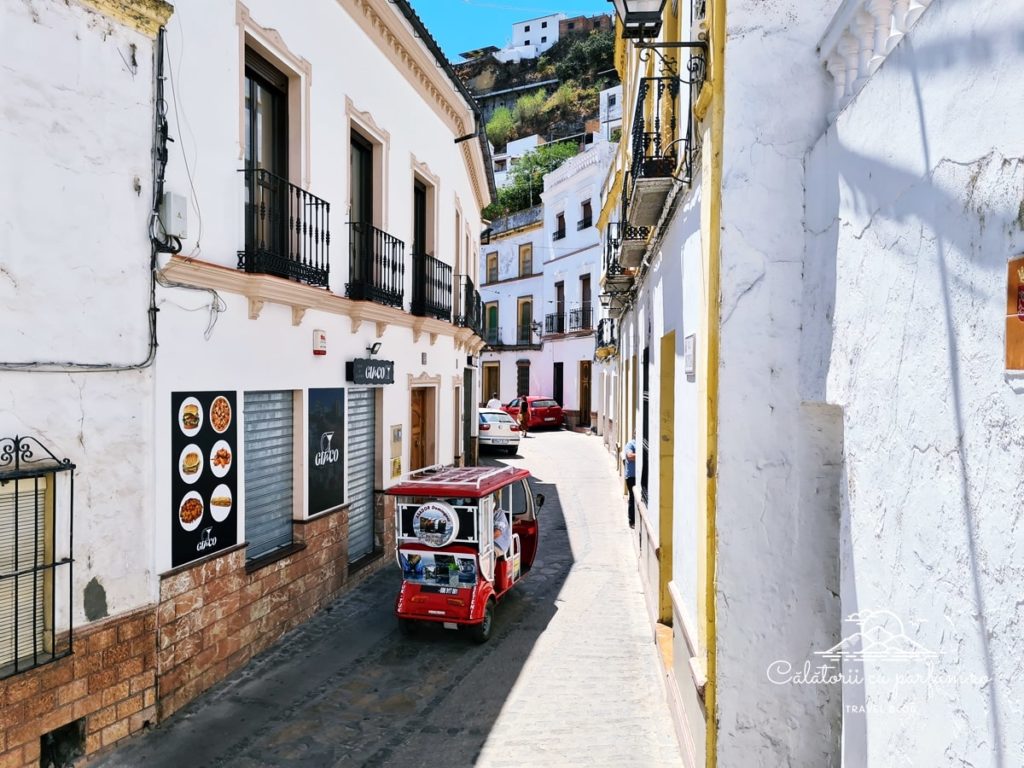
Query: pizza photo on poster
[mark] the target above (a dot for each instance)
(204, 476)
(325, 449)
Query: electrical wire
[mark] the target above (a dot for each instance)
(178, 114)
(67, 366)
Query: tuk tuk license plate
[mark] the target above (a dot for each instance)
(549, 418)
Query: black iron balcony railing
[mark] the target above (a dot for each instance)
(431, 287)
(583, 223)
(554, 323)
(376, 265)
(287, 230)
(581, 318)
(470, 310)
(492, 336)
(606, 333)
(655, 146)
(559, 234)
(524, 334)
(613, 237)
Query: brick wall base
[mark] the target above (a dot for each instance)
(110, 680)
(134, 670)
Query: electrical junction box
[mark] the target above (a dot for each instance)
(174, 214)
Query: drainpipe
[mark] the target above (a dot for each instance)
(716, 76)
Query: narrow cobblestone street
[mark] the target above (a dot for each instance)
(570, 677)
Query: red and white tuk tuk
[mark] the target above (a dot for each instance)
(465, 537)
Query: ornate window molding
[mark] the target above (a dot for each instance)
(364, 124)
(269, 44)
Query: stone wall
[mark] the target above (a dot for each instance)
(133, 671)
(109, 680)
(217, 615)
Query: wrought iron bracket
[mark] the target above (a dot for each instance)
(643, 46)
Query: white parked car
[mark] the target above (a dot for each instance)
(499, 430)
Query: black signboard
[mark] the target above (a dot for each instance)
(368, 371)
(204, 477)
(326, 458)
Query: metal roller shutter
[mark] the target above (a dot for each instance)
(362, 427)
(269, 445)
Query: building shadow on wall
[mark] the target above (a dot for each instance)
(877, 191)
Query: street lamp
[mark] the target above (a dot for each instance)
(640, 18)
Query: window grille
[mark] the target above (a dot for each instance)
(36, 503)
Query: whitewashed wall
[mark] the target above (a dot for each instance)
(204, 42)
(914, 207)
(75, 144)
(775, 546)
(579, 253)
(270, 352)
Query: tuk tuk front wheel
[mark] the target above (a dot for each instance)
(482, 631)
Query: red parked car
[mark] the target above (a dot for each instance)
(544, 411)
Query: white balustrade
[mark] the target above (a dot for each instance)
(899, 24)
(881, 13)
(860, 36)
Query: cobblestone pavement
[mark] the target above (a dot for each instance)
(570, 676)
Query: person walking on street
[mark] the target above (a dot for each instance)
(629, 470)
(524, 415)
(494, 402)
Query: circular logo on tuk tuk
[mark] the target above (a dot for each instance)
(435, 524)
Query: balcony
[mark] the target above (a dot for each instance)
(524, 334)
(618, 276)
(431, 287)
(584, 223)
(607, 335)
(554, 323)
(492, 336)
(559, 234)
(286, 230)
(660, 155)
(581, 318)
(376, 265)
(469, 312)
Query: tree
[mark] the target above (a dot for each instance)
(527, 178)
(500, 127)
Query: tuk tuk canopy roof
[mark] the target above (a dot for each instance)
(467, 482)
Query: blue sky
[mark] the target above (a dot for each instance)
(462, 25)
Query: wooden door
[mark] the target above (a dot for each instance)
(417, 444)
(584, 398)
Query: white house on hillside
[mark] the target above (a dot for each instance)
(531, 38)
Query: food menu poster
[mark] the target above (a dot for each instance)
(204, 474)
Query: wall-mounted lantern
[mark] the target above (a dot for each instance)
(640, 18)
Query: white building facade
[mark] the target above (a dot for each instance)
(911, 306)
(237, 369)
(540, 308)
(531, 38)
(819, 356)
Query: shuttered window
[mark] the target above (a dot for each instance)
(23, 547)
(269, 472)
(362, 427)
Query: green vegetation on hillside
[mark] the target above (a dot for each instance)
(528, 178)
(584, 66)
